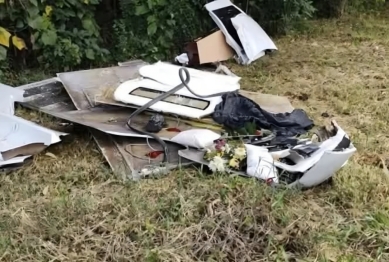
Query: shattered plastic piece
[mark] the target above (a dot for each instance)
(303, 164)
(8, 97)
(306, 150)
(260, 163)
(154, 154)
(329, 164)
(16, 132)
(183, 59)
(19, 137)
(250, 35)
(253, 38)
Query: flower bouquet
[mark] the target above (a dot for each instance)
(226, 155)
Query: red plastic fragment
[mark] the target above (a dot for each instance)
(154, 154)
(269, 181)
(173, 129)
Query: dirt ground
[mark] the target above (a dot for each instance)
(67, 206)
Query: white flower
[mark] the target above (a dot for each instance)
(227, 148)
(240, 153)
(217, 164)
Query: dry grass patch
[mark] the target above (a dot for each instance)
(71, 208)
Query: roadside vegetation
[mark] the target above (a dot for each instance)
(67, 206)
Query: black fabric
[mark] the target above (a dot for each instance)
(235, 110)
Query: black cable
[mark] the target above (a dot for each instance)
(184, 83)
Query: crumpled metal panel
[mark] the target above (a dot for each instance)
(19, 138)
(51, 97)
(113, 120)
(94, 83)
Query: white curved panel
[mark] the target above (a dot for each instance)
(123, 94)
(202, 83)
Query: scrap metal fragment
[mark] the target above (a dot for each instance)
(19, 138)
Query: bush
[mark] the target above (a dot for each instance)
(57, 34)
(157, 29)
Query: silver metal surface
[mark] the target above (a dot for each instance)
(51, 97)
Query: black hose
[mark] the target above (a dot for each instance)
(184, 83)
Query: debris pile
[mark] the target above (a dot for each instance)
(148, 119)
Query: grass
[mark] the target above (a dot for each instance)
(67, 206)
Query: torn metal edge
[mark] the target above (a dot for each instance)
(32, 132)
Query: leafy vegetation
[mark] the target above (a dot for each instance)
(157, 28)
(64, 34)
(59, 34)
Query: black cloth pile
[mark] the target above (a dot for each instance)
(235, 110)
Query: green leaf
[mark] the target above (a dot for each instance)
(162, 2)
(49, 37)
(250, 128)
(104, 51)
(171, 22)
(88, 25)
(36, 23)
(19, 23)
(141, 10)
(69, 13)
(152, 28)
(3, 53)
(170, 34)
(150, 4)
(34, 2)
(90, 54)
(33, 11)
(80, 14)
(151, 19)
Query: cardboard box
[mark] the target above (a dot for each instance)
(209, 49)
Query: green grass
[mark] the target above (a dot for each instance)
(71, 208)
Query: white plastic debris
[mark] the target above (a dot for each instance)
(260, 163)
(303, 164)
(162, 77)
(9, 96)
(242, 33)
(253, 38)
(197, 138)
(183, 59)
(16, 133)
